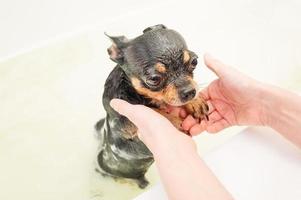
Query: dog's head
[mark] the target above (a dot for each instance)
(158, 63)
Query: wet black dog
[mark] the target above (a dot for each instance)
(156, 70)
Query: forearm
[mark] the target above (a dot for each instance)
(283, 112)
(185, 176)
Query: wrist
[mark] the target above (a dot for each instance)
(174, 147)
(175, 157)
(156, 142)
(264, 103)
(256, 113)
(272, 104)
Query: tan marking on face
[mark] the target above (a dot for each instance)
(186, 56)
(171, 96)
(195, 85)
(157, 95)
(160, 67)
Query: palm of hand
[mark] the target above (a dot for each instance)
(231, 103)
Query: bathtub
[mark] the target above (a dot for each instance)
(50, 95)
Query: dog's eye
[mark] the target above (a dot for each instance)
(194, 62)
(154, 80)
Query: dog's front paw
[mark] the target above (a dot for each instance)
(198, 108)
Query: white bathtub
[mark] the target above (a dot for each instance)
(50, 96)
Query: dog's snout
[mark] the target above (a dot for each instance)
(187, 94)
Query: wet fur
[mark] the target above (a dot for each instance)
(122, 156)
(158, 50)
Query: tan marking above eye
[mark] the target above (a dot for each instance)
(186, 56)
(160, 67)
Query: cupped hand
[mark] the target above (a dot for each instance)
(156, 131)
(183, 174)
(233, 99)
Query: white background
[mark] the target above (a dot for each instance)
(25, 24)
(262, 37)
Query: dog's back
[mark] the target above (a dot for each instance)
(119, 155)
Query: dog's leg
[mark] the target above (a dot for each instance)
(99, 124)
(101, 173)
(142, 182)
(98, 127)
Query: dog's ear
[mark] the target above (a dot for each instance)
(158, 26)
(115, 51)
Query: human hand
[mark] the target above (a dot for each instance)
(157, 132)
(233, 99)
(175, 154)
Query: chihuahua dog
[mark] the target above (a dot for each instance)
(154, 69)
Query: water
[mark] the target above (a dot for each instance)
(50, 101)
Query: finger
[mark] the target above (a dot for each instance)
(214, 116)
(198, 128)
(217, 126)
(211, 107)
(139, 114)
(215, 65)
(122, 107)
(188, 122)
(183, 113)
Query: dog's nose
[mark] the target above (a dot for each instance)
(187, 94)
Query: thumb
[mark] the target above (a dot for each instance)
(127, 109)
(157, 133)
(140, 115)
(219, 68)
(147, 121)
